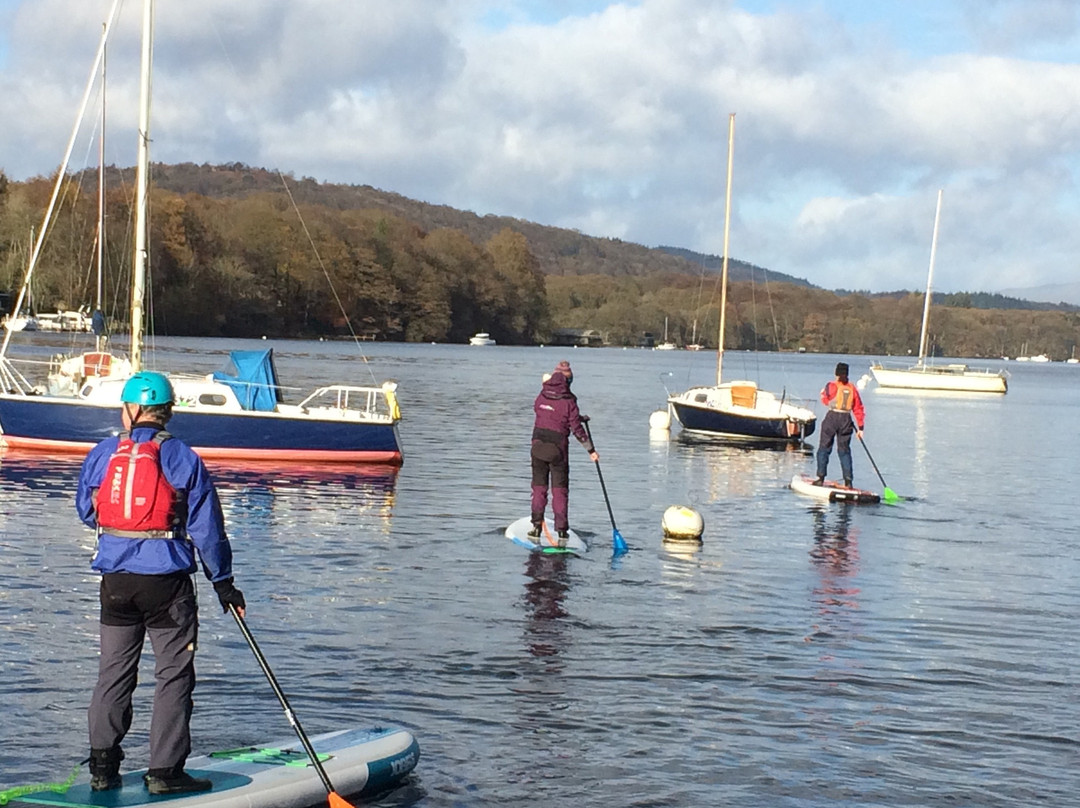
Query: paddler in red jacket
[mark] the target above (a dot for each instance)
(844, 403)
(557, 416)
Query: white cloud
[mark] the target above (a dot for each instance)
(612, 118)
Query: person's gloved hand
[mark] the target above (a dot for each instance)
(229, 595)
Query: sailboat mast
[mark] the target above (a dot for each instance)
(61, 176)
(929, 282)
(723, 272)
(99, 339)
(142, 187)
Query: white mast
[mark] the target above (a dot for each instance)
(99, 339)
(142, 187)
(929, 282)
(723, 273)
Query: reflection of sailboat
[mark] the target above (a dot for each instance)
(282, 498)
(738, 410)
(928, 376)
(717, 469)
(336, 423)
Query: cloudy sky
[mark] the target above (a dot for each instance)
(611, 118)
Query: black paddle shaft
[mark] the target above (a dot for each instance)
(284, 701)
(600, 474)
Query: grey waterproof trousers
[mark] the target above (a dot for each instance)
(163, 607)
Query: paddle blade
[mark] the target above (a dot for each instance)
(337, 801)
(618, 543)
(890, 495)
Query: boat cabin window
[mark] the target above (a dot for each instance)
(212, 399)
(701, 398)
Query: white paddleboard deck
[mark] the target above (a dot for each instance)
(548, 542)
(832, 491)
(277, 774)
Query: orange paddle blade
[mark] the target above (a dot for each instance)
(337, 801)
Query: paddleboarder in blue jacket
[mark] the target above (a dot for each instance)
(557, 415)
(153, 504)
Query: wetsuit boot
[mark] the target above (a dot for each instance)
(105, 768)
(174, 781)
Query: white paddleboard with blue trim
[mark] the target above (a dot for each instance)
(279, 774)
(548, 542)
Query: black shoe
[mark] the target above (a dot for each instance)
(105, 769)
(564, 536)
(819, 481)
(182, 783)
(105, 782)
(847, 482)
(534, 533)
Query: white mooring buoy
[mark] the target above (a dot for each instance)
(660, 420)
(681, 523)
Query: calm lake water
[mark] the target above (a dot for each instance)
(921, 654)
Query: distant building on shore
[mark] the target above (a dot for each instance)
(577, 337)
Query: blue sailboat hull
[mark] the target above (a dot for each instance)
(710, 421)
(70, 425)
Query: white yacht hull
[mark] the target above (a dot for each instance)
(955, 378)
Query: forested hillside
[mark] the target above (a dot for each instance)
(237, 251)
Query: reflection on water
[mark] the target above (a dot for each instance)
(51, 475)
(800, 657)
(722, 469)
(263, 497)
(545, 591)
(835, 555)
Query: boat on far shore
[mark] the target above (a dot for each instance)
(481, 338)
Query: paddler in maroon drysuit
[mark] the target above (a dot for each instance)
(556, 417)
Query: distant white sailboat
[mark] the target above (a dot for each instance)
(928, 376)
(666, 345)
(694, 344)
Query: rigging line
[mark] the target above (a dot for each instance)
(326, 274)
(712, 297)
(303, 224)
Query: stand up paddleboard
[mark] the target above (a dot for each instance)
(548, 541)
(359, 762)
(832, 491)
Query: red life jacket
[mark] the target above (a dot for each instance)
(135, 500)
(844, 397)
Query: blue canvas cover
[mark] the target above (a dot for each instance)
(255, 382)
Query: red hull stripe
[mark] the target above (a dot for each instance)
(217, 453)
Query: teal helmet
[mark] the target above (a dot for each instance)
(147, 389)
